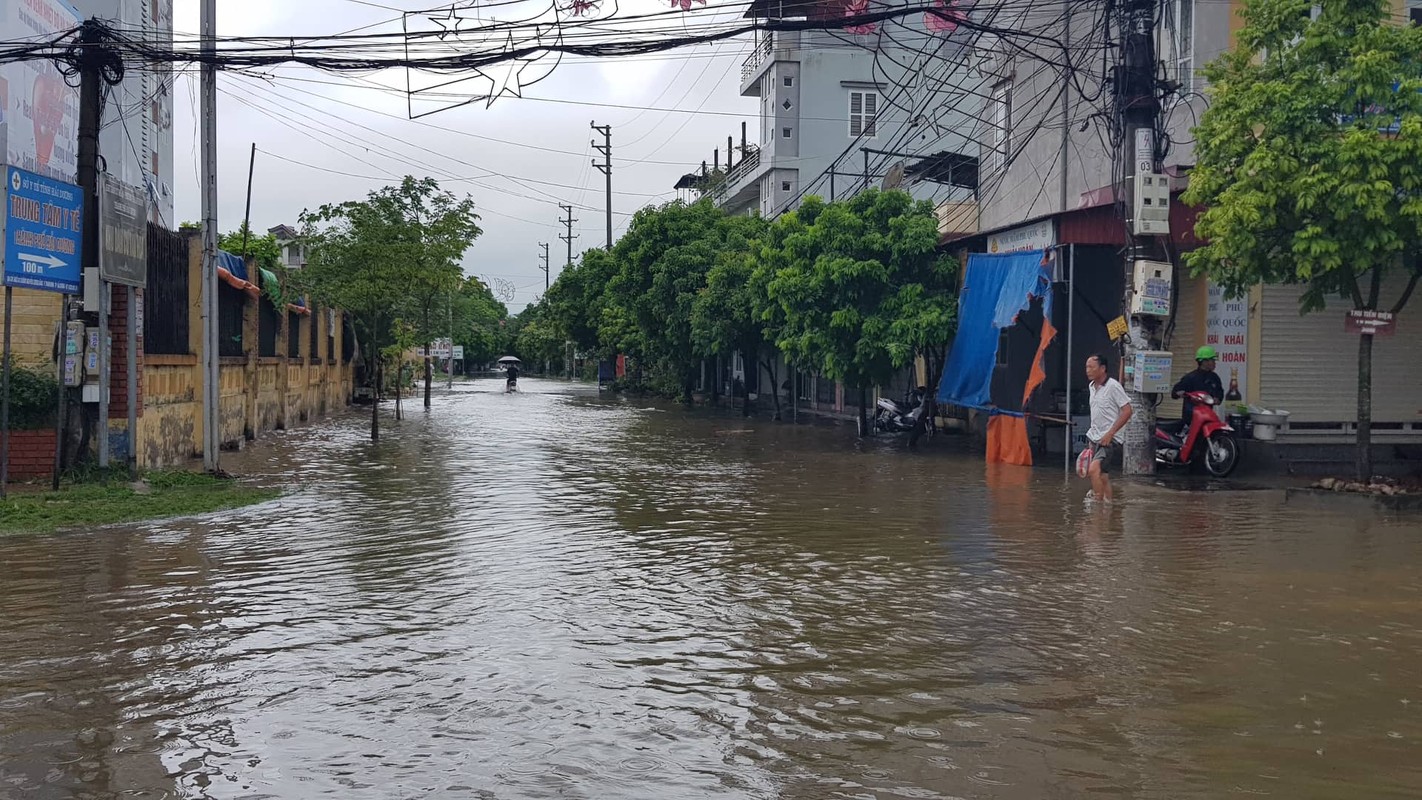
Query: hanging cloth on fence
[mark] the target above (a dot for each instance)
(997, 288)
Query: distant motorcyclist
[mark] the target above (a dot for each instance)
(1202, 379)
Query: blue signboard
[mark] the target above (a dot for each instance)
(43, 230)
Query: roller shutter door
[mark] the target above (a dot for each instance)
(1309, 364)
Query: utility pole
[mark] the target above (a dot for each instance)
(208, 133)
(1138, 109)
(605, 168)
(569, 236)
(546, 281)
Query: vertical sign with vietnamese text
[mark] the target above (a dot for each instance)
(43, 228)
(1227, 330)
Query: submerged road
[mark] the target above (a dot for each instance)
(560, 595)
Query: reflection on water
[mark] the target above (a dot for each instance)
(553, 594)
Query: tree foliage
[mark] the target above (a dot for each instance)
(380, 258)
(858, 287)
(1300, 180)
(1310, 161)
(852, 290)
(264, 250)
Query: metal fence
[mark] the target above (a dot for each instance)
(231, 305)
(268, 323)
(165, 312)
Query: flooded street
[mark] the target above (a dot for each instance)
(560, 595)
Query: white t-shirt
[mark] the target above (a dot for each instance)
(1107, 400)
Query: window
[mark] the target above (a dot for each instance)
(1002, 124)
(863, 114)
(789, 81)
(1179, 39)
(785, 133)
(293, 334)
(785, 186)
(1414, 11)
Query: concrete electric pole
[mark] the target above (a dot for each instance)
(1148, 279)
(547, 282)
(569, 236)
(606, 169)
(207, 129)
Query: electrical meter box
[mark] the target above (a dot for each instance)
(1150, 205)
(1151, 374)
(1151, 289)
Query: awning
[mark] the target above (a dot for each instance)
(299, 307)
(232, 270)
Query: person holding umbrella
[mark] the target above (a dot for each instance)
(511, 371)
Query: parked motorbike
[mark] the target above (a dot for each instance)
(1207, 441)
(892, 417)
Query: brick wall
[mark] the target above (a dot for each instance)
(118, 370)
(31, 454)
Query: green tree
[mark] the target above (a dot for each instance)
(576, 300)
(372, 258)
(723, 315)
(1309, 162)
(662, 263)
(262, 249)
(857, 288)
(477, 317)
(440, 227)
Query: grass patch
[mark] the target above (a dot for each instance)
(88, 505)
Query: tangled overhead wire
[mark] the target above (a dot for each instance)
(481, 46)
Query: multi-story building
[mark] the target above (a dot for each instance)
(1051, 177)
(136, 138)
(293, 252)
(895, 103)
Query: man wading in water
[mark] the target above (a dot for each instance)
(1110, 411)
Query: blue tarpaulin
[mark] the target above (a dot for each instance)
(233, 264)
(997, 288)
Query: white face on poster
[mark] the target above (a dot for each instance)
(1227, 330)
(41, 124)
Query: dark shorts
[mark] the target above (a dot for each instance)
(1102, 453)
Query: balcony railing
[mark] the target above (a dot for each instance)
(758, 56)
(750, 162)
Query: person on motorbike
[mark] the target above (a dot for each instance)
(1202, 379)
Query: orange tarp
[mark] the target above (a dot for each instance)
(1007, 435)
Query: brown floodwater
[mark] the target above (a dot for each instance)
(560, 595)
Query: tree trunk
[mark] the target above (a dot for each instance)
(688, 387)
(863, 412)
(1365, 408)
(376, 378)
(774, 386)
(429, 374)
(399, 379)
(930, 398)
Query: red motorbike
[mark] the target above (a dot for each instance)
(1207, 441)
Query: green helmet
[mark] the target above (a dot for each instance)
(1205, 353)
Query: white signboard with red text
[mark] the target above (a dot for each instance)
(1227, 330)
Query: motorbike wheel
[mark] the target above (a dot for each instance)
(1221, 454)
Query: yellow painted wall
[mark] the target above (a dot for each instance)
(32, 330)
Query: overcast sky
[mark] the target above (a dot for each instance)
(351, 128)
